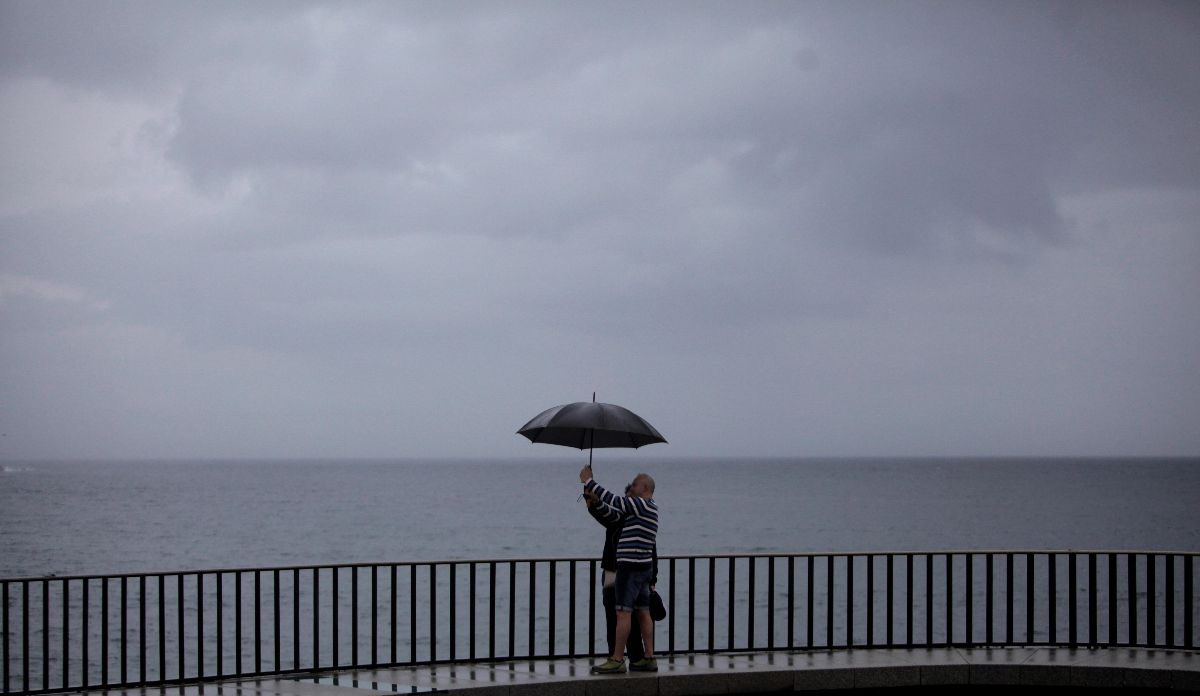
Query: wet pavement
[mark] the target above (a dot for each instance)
(743, 673)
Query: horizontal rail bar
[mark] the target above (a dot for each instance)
(584, 559)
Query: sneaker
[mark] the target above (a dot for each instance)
(610, 667)
(647, 664)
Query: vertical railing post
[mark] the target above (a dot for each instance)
(1092, 584)
(891, 581)
(969, 638)
(199, 626)
(871, 600)
(532, 606)
(571, 596)
(125, 629)
(1151, 599)
(829, 601)
(45, 635)
(692, 604)
(1170, 609)
(729, 609)
(492, 610)
(670, 619)
(1030, 597)
(393, 612)
(66, 634)
(750, 562)
(1112, 599)
(354, 616)
(849, 600)
(949, 599)
(591, 592)
(162, 628)
(1052, 599)
(295, 618)
(1073, 607)
(1189, 601)
(512, 608)
(278, 638)
(85, 631)
(770, 602)
(316, 618)
(5, 633)
(220, 625)
(550, 628)
(237, 620)
(452, 598)
(258, 621)
(180, 643)
(1009, 638)
(928, 599)
(412, 612)
(374, 614)
(433, 612)
(791, 607)
(1131, 580)
(908, 597)
(712, 588)
(989, 591)
(25, 636)
(336, 600)
(473, 594)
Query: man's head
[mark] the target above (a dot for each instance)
(642, 486)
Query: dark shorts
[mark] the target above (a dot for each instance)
(632, 588)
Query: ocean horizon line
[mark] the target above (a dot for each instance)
(656, 458)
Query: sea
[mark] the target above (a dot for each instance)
(101, 517)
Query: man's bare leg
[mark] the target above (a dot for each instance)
(647, 625)
(624, 624)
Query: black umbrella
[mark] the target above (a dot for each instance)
(588, 425)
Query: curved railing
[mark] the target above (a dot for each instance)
(79, 632)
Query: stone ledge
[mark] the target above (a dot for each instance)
(850, 677)
(942, 675)
(1185, 680)
(823, 679)
(886, 677)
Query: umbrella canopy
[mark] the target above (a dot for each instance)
(587, 425)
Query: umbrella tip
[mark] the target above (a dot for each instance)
(593, 397)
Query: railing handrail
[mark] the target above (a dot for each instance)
(584, 559)
(221, 623)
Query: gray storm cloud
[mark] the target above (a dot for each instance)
(782, 229)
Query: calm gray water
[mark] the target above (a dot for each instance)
(100, 517)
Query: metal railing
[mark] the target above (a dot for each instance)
(65, 633)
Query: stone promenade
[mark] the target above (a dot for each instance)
(745, 673)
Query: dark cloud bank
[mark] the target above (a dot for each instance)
(360, 229)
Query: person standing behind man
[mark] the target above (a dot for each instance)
(611, 520)
(635, 554)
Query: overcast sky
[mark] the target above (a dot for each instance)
(771, 229)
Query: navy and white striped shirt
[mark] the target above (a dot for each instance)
(636, 544)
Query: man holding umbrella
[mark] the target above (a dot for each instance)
(635, 554)
(613, 524)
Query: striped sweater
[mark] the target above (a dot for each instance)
(638, 536)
